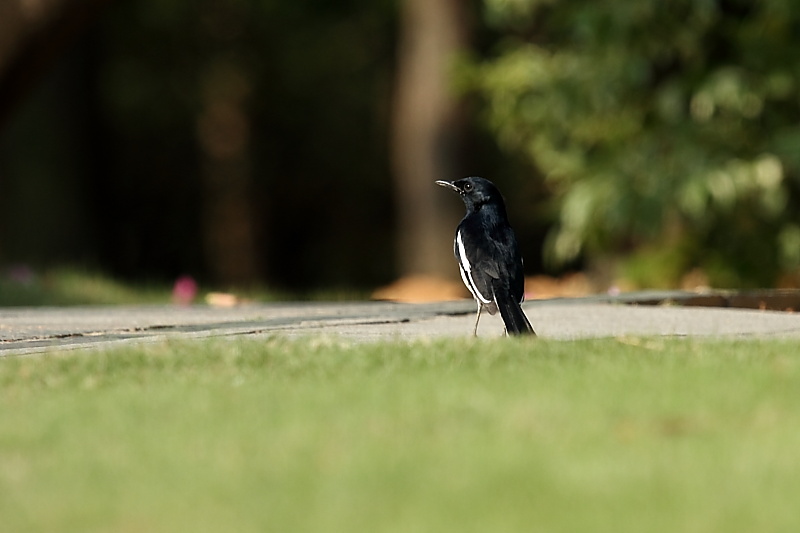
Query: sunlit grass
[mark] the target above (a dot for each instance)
(458, 435)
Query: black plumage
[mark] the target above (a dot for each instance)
(488, 254)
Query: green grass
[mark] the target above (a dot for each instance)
(66, 286)
(75, 286)
(462, 436)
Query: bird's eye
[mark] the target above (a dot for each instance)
(467, 187)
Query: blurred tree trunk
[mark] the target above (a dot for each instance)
(426, 133)
(224, 135)
(32, 35)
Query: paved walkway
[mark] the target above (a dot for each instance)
(34, 330)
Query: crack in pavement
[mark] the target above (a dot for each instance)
(306, 319)
(664, 313)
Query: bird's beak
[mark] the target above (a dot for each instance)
(448, 185)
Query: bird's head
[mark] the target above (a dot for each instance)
(475, 191)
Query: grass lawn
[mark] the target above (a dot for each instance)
(640, 435)
(65, 286)
(23, 286)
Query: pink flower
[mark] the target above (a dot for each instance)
(184, 290)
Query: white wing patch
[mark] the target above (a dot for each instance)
(466, 271)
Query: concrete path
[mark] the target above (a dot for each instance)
(34, 330)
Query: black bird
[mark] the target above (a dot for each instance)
(488, 255)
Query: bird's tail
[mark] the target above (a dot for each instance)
(514, 318)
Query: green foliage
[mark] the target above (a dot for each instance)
(655, 120)
(454, 435)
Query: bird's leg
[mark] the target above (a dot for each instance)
(477, 319)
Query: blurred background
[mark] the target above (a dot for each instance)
(265, 145)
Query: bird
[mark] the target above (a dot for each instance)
(488, 255)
